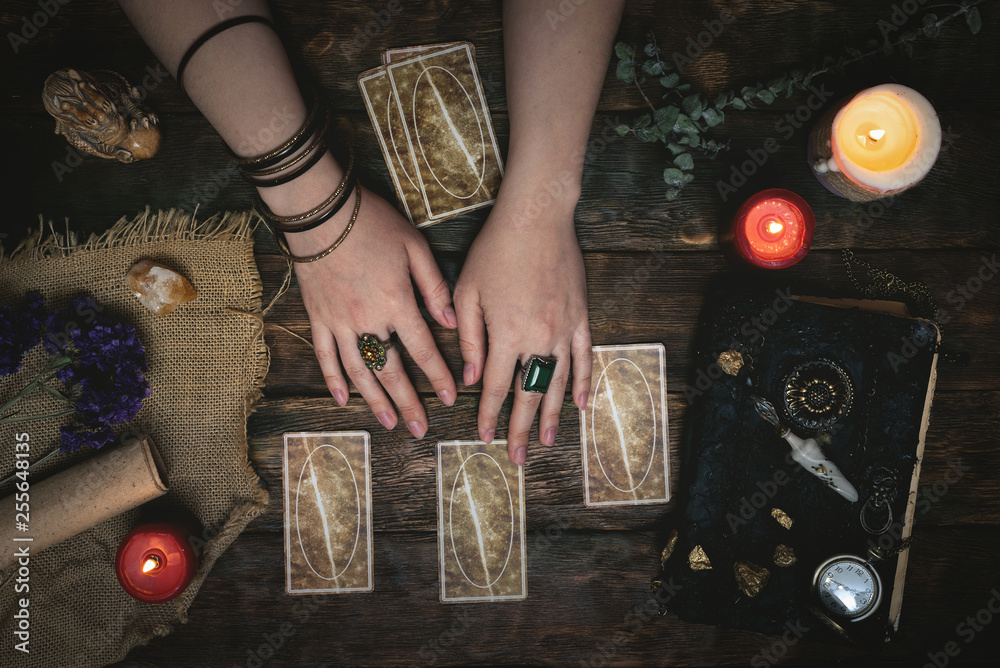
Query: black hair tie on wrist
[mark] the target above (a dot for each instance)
(212, 32)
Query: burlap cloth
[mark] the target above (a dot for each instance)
(207, 363)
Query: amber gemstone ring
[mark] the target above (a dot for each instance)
(536, 374)
(373, 351)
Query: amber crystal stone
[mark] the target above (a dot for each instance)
(158, 287)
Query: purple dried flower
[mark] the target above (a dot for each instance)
(75, 437)
(20, 331)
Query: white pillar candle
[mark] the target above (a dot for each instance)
(879, 143)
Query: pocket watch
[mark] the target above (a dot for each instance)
(847, 587)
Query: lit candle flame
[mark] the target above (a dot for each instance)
(150, 564)
(774, 227)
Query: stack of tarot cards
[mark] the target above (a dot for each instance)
(433, 125)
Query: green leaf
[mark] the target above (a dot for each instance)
(651, 49)
(670, 80)
(722, 99)
(666, 117)
(624, 51)
(672, 194)
(684, 89)
(748, 91)
(673, 176)
(684, 161)
(688, 178)
(686, 141)
(765, 96)
(643, 121)
(739, 104)
(652, 68)
(973, 20)
(797, 75)
(713, 117)
(623, 130)
(693, 105)
(675, 149)
(684, 125)
(776, 85)
(930, 26)
(625, 71)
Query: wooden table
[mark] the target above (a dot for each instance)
(649, 264)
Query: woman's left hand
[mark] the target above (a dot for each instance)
(523, 292)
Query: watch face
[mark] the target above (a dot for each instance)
(848, 587)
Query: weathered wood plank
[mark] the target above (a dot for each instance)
(646, 297)
(587, 594)
(622, 207)
(403, 468)
(335, 42)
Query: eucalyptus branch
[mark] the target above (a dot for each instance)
(684, 127)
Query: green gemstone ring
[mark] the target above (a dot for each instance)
(536, 374)
(373, 351)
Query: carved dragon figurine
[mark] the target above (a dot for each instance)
(99, 113)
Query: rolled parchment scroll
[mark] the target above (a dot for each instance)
(74, 500)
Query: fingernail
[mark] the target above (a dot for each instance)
(446, 397)
(387, 420)
(416, 428)
(581, 401)
(340, 397)
(489, 435)
(468, 373)
(550, 436)
(520, 455)
(449, 316)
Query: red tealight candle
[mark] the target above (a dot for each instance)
(773, 229)
(155, 563)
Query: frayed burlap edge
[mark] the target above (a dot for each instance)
(167, 226)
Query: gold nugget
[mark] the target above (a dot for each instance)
(730, 361)
(699, 560)
(751, 578)
(782, 517)
(784, 556)
(669, 549)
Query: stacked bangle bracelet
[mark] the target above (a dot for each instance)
(295, 156)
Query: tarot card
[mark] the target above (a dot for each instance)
(402, 53)
(480, 523)
(384, 114)
(623, 431)
(328, 520)
(448, 129)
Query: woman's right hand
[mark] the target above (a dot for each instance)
(366, 287)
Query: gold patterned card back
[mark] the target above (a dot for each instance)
(480, 523)
(402, 53)
(384, 114)
(449, 130)
(328, 525)
(623, 431)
